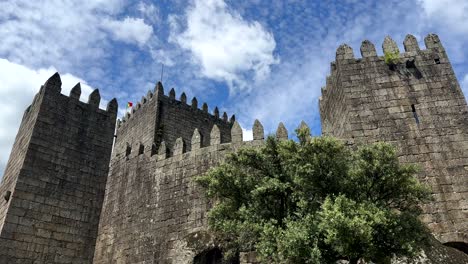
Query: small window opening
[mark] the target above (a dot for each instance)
(437, 61)
(128, 150)
(154, 150)
(141, 150)
(410, 64)
(411, 69)
(413, 108)
(7, 196)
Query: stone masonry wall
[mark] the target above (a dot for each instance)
(416, 104)
(153, 212)
(17, 156)
(159, 118)
(53, 212)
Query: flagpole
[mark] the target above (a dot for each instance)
(162, 72)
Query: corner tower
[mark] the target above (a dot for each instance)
(159, 118)
(416, 103)
(54, 182)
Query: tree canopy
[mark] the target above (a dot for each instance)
(316, 201)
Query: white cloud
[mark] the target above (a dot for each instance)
(68, 34)
(464, 85)
(150, 12)
(452, 13)
(224, 44)
(247, 134)
(18, 86)
(129, 30)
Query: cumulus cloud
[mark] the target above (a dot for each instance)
(452, 13)
(129, 30)
(150, 12)
(68, 34)
(247, 134)
(223, 44)
(18, 86)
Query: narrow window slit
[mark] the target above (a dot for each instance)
(141, 150)
(413, 108)
(128, 150)
(154, 150)
(437, 61)
(7, 196)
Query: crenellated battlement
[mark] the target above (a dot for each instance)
(369, 57)
(413, 100)
(57, 172)
(66, 156)
(158, 94)
(179, 146)
(350, 76)
(53, 87)
(159, 118)
(344, 53)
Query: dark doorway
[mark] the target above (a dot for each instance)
(458, 245)
(211, 256)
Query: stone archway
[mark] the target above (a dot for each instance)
(210, 256)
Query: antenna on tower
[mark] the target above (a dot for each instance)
(162, 72)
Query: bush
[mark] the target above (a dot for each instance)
(316, 201)
(391, 58)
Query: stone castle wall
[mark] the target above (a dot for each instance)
(418, 106)
(56, 175)
(153, 212)
(159, 118)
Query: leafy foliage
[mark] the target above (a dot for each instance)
(316, 201)
(391, 58)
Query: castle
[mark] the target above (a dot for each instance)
(83, 187)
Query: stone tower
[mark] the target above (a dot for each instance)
(54, 183)
(151, 205)
(161, 118)
(415, 103)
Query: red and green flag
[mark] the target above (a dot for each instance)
(129, 104)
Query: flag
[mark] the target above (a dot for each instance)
(129, 104)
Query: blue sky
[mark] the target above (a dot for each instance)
(257, 59)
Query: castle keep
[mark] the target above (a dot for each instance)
(81, 187)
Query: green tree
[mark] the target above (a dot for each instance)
(316, 201)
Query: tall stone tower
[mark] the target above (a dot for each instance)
(54, 183)
(152, 206)
(415, 103)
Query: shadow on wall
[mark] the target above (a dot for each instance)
(458, 245)
(212, 256)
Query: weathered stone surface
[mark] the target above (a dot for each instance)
(390, 46)
(421, 110)
(368, 49)
(75, 92)
(153, 212)
(236, 133)
(215, 136)
(410, 43)
(197, 139)
(56, 175)
(257, 130)
(281, 132)
(179, 146)
(344, 52)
